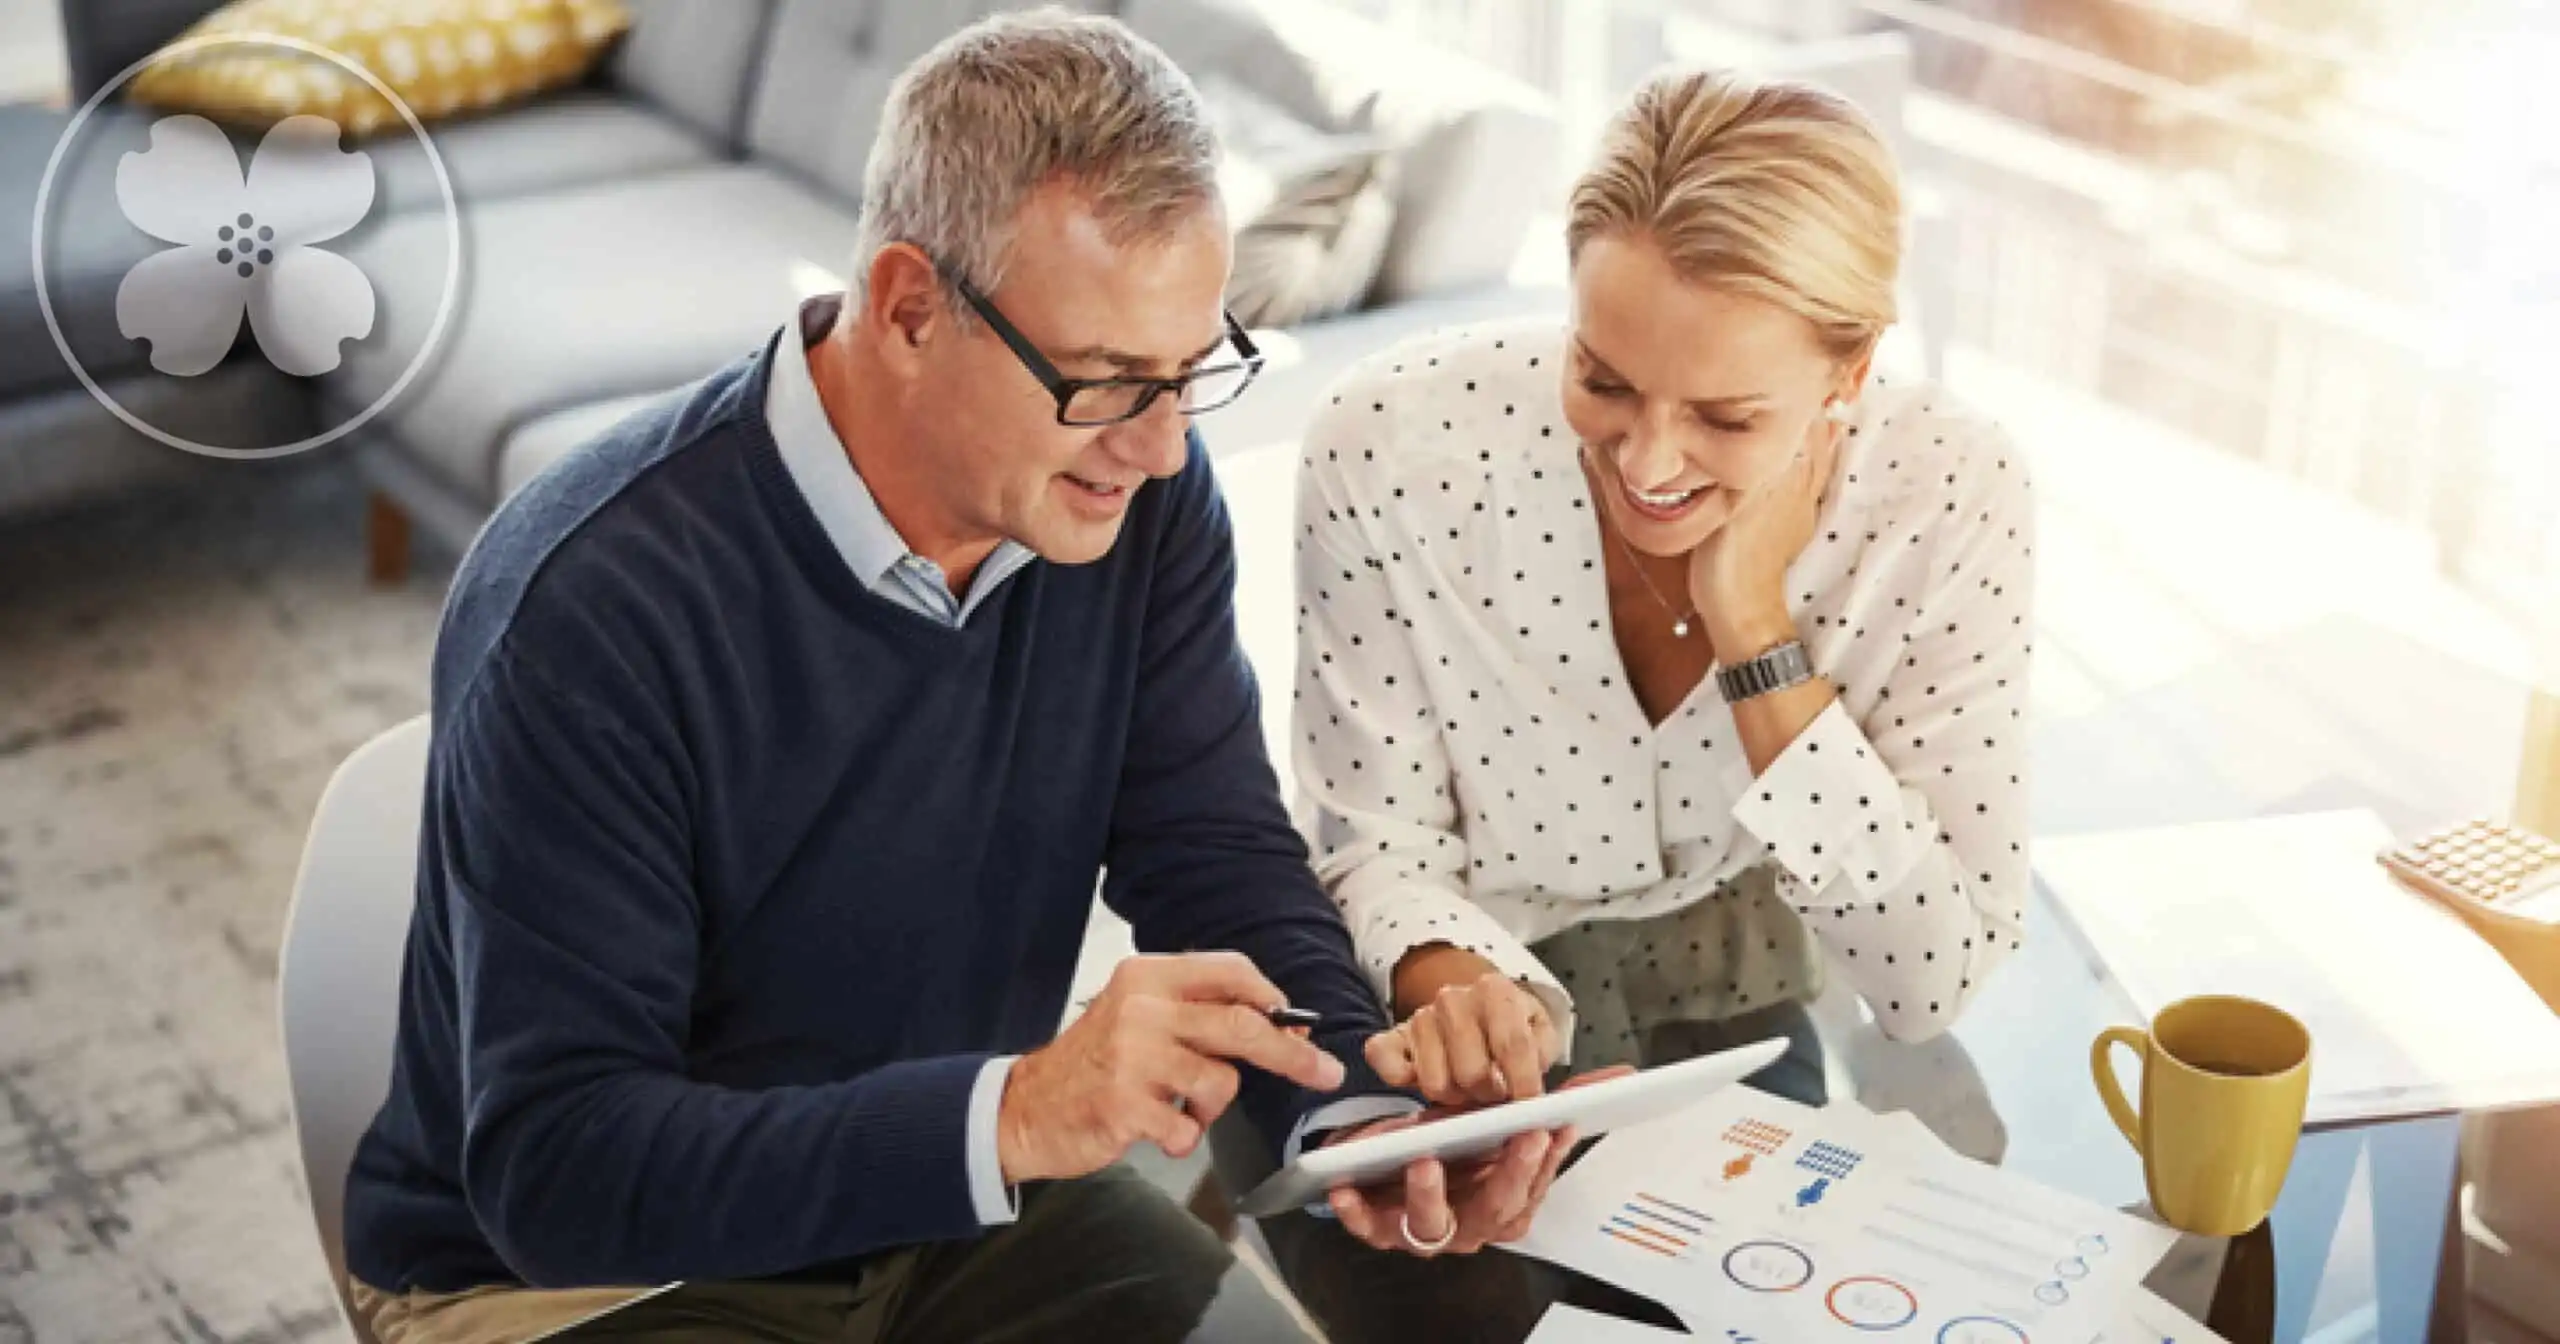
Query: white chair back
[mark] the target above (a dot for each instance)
(339, 981)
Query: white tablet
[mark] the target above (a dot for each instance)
(1593, 1110)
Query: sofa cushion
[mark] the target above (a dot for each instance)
(1312, 210)
(102, 37)
(574, 296)
(88, 244)
(534, 446)
(1236, 40)
(570, 139)
(438, 60)
(696, 62)
(1475, 149)
(827, 70)
(575, 139)
(61, 449)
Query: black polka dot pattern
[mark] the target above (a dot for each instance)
(1453, 630)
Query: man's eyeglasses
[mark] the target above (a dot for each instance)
(1108, 401)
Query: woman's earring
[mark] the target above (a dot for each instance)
(1835, 412)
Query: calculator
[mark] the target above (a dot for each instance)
(2484, 866)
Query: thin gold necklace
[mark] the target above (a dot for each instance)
(1679, 619)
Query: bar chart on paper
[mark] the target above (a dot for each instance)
(1656, 1225)
(1753, 1213)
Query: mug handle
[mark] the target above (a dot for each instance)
(2110, 1089)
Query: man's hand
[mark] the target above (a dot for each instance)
(1148, 1060)
(1476, 1041)
(1435, 1210)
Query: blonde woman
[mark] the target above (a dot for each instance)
(1656, 663)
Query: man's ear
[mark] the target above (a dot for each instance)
(902, 306)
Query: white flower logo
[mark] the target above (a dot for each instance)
(245, 246)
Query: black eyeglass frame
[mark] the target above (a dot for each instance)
(1065, 389)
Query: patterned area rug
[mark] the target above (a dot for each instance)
(178, 677)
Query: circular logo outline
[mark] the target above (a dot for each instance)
(452, 253)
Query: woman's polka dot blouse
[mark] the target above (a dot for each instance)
(1474, 770)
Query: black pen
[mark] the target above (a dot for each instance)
(1285, 1016)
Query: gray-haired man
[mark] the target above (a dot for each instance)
(779, 736)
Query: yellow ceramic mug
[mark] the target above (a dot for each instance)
(2224, 1081)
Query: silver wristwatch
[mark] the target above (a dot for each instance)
(1784, 666)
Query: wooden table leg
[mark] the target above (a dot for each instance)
(2450, 1320)
(386, 531)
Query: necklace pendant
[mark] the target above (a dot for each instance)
(1680, 628)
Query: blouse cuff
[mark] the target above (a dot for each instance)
(1829, 806)
(1393, 923)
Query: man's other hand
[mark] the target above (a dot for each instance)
(1153, 1058)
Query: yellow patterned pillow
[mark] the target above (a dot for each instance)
(442, 57)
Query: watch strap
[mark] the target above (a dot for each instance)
(1784, 666)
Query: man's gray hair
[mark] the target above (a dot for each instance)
(1015, 101)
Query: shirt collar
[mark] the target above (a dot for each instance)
(824, 471)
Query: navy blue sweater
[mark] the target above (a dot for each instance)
(733, 874)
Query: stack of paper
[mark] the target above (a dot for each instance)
(1753, 1218)
(2409, 1011)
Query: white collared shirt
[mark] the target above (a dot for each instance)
(1472, 767)
(845, 506)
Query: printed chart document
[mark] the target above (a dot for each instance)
(1754, 1217)
(1572, 1325)
(2146, 1321)
(2409, 1011)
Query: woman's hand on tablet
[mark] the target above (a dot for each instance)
(1439, 1210)
(1475, 1041)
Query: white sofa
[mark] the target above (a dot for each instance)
(628, 236)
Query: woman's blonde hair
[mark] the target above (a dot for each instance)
(1769, 188)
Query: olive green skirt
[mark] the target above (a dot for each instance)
(1736, 953)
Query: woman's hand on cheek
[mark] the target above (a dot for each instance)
(1737, 576)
